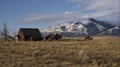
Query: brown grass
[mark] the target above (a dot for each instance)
(70, 52)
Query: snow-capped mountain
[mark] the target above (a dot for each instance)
(93, 27)
(115, 31)
(68, 29)
(10, 36)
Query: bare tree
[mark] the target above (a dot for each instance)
(5, 34)
(5, 31)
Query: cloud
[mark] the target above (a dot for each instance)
(57, 17)
(103, 5)
(92, 8)
(99, 8)
(107, 13)
(98, 4)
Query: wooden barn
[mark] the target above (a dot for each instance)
(29, 34)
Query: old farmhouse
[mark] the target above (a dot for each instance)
(29, 34)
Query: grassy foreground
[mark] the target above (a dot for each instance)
(73, 52)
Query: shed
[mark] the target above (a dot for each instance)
(29, 34)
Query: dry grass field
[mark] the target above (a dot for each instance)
(68, 52)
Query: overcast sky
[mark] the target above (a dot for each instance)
(44, 13)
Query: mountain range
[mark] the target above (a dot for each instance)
(93, 27)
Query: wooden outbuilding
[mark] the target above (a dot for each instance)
(29, 34)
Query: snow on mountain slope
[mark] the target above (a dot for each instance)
(93, 27)
(115, 31)
(68, 29)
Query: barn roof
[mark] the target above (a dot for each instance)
(30, 31)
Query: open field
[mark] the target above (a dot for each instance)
(69, 52)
